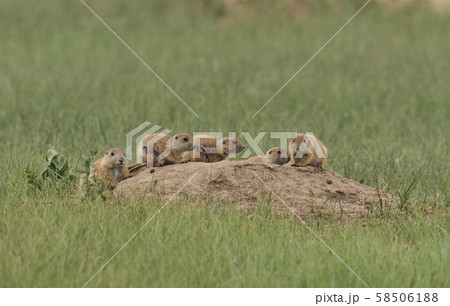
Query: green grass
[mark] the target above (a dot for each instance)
(377, 96)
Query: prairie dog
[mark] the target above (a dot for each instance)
(276, 155)
(212, 151)
(111, 168)
(160, 149)
(225, 147)
(175, 147)
(199, 151)
(151, 147)
(307, 150)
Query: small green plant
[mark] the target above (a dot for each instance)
(55, 169)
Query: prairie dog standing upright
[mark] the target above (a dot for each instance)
(307, 150)
(276, 155)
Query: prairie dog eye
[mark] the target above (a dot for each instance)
(278, 152)
(112, 153)
(185, 139)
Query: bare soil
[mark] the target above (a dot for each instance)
(308, 191)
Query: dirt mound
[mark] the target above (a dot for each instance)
(307, 190)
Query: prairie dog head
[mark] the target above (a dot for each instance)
(300, 149)
(114, 158)
(230, 145)
(180, 142)
(277, 156)
(305, 149)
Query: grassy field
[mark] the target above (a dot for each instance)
(377, 95)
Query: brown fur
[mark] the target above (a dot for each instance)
(199, 151)
(304, 151)
(111, 168)
(276, 155)
(175, 147)
(156, 141)
(223, 148)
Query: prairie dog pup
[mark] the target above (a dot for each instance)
(276, 155)
(111, 168)
(175, 147)
(307, 150)
(211, 151)
(151, 147)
